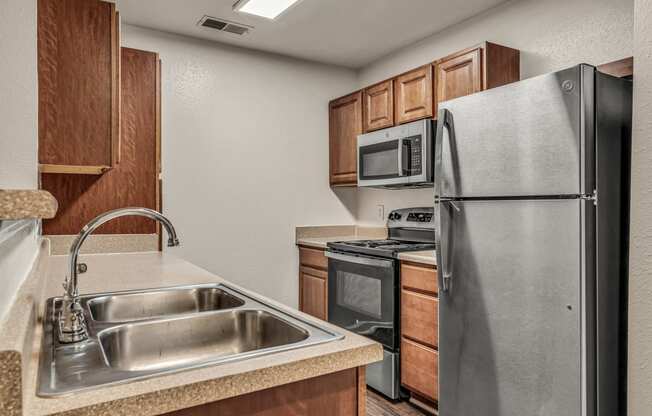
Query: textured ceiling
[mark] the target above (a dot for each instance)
(350, 33)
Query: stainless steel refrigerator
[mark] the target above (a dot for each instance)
(531, 196)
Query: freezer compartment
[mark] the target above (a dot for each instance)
(522, 139)
(510, 337)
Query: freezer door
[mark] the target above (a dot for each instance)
(510, 316)
(522, 139)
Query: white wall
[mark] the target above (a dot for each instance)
(245, 156)
(18, 95)
(551, 35)
(18, 133)
(640, 279)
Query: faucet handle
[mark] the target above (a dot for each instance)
(82, 268)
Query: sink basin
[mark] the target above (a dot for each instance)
(144, 333)
(190, 340)
(160, 303)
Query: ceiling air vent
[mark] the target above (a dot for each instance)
(224, 25)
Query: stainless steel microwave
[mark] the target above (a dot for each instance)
(397, 157)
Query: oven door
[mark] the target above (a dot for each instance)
(362, 296)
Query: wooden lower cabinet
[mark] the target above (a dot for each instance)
(419, 330)
(313, 282)
(338, 394)
(420, 369)
(419, 318)
(313, 286)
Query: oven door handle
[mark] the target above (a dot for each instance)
(367, 261)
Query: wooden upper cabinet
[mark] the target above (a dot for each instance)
(378, 106)
(414, 95)
(79, 94)
(459, 75)
(345, 124)
(476, 69)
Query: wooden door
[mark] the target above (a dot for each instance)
(378, 106)
(414, 95)
(78, 77)
(459, 75)
(345, 124)
(135, 180)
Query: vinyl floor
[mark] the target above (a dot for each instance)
(377, 405)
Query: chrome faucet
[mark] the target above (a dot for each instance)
(72, 326)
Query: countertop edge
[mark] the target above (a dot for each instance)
(196, 394)
(422, 257)
(20, 204)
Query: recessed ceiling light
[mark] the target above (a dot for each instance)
(269, 9)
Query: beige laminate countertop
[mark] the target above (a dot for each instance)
(425, 257)
(166, 393)
(320, 242)
(319, 236)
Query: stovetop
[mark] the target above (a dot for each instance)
(409, 229)
(381, 248)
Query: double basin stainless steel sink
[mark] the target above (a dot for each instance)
(144, 333)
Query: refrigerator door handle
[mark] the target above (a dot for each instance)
(445, 121)
(445, 272)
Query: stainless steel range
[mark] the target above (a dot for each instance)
(363, 287)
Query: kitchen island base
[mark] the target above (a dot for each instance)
(337, 394)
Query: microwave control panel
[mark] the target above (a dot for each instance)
(414, 165)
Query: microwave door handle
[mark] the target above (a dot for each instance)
(400, 157)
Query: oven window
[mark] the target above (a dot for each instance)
(379, 161)
(359, 293)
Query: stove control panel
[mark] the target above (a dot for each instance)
(411, 218)
(419, 217)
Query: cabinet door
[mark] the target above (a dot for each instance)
(78, 77)
(414, 91)
(419, 317)
(420, 369)
(459, 75)
(313, 288)
(379, 106)
(345, 124)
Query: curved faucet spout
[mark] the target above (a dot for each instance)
(71, 325)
